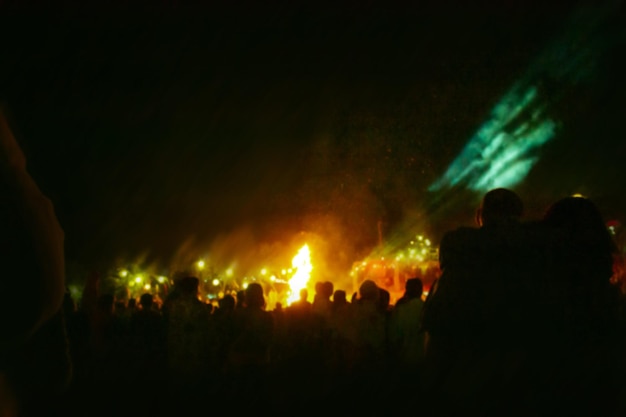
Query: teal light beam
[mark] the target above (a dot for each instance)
(507, 145)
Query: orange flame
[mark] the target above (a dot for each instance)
(303, 267)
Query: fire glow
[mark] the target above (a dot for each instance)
(302, 265)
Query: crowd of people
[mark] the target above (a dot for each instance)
(524, 319)
(326, 350)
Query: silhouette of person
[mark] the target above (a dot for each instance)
(580, 344)
(148, 335)
(475, 317)
(188, 335)
(405, 333)
(34, 356)
(303, 305)
(475, 263)
(249, 355)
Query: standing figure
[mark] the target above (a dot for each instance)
(475, 319)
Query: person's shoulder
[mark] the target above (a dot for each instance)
(460, 236)
(461, 232)
(538, 232)
(411, 304)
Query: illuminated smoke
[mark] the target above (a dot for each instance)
(507, 145)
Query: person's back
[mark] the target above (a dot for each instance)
(254, 330)
(482, 270)
(188, 334)
(581, 344)
(250, 352)
(224, 318)
(581, 260)
(371, 328)
(322, 305)
(476, 316)
(343, 333)
(302, 305)
(148, 329)
(406, 336)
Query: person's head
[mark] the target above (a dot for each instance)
(368, 291)
(498, 206)
(413, 288)
(189, 286)
(580, 217)
(339, 297)
(327, 289)
(254, 296)
(146, 301)
(304, 294)
(384, 299)
(574, 212)
(241, 299)
(227, 303)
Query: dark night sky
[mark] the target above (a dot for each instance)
(150, 127)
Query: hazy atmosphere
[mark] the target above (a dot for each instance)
(170, 133)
